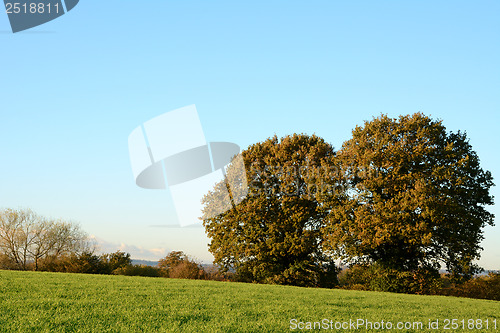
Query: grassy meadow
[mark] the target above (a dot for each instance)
(59, 302)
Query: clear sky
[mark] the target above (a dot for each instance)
(72, 91)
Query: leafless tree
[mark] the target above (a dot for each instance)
(26, 238)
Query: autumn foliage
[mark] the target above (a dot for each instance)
(403, 195)
(274, 234)
(416, 198)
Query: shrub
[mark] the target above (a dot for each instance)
(356, 275)
(138, 270)
(187, 270)
(116, 260)
(54, 264)
(178, 265)
(86, 262)
(483, 287)
(307, 274)
(7, 263)
(378, 278)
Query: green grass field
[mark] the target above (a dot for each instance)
(57, 302)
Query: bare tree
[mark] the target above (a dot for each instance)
(26, 238)
(14, 239)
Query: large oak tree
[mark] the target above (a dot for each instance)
(273, 234)
(416, 197)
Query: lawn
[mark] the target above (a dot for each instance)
(58, 302)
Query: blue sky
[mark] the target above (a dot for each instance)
(73, 89)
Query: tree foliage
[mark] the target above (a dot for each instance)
(138, 270)
(172, 259)
(116, 260)
(179, 266)
(273, 234)
(416, 197)
(86, 262)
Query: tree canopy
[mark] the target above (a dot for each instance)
(416, 197)
(178, 265)
(274, 234)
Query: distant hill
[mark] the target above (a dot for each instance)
(144, 262)
(155, 263)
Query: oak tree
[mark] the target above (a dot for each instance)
(416, 197)
(273, 234)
